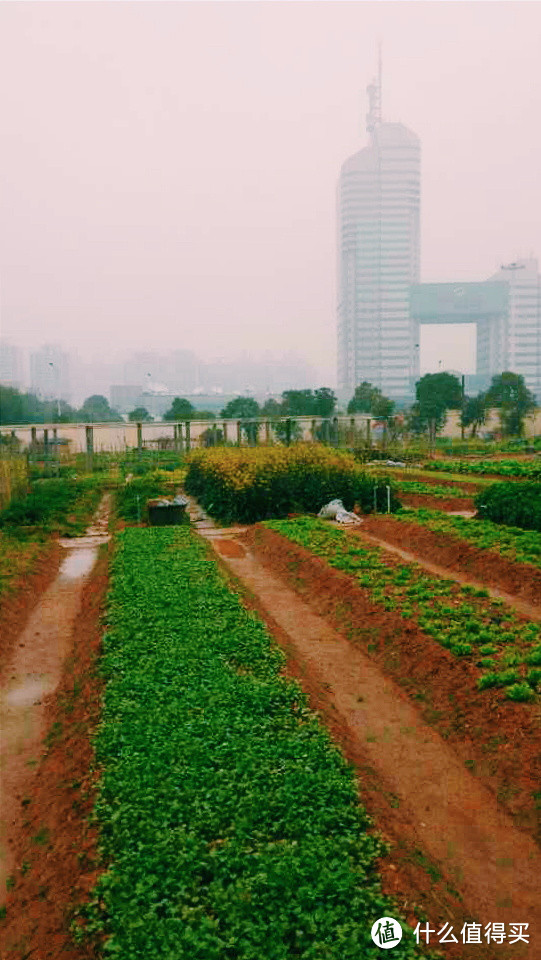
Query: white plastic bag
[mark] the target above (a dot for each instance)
(335, 510)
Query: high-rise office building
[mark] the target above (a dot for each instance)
(378, 259)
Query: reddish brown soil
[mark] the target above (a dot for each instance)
(497, 739)
(436, 503)
(17, 605)
(523, 580)
(56, 869)
(416, 786)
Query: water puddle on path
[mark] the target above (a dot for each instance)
(32, 675)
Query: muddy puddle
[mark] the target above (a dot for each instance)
(32, 674)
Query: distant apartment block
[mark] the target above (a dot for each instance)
(506, 310)
(11, 365)
(50, 373)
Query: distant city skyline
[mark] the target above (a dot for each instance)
(169, 170)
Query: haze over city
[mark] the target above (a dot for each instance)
(169, 170)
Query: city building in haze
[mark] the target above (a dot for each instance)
(50, 373)
(506, 310)
(11, 365)
(378, 258)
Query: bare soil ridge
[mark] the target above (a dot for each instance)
(443, 807)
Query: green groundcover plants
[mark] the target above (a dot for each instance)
(229, 822)
(462, 619)
(62, 506)
(131, 498)
(518, 545)
(530, 469)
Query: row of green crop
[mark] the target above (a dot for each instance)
(247, 485)
(530, 469)
(521, 546)
(431, 489)
(229, 821)
(462, 619)
(513, 504)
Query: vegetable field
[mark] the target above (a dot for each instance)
(229, 821)
(518, 545)
(462, 619)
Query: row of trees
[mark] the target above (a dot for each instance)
(17, 407)
(436, 393)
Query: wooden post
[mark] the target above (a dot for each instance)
(352, 430)
(188, 437)
(327, 431)
(139, 440)
(313, 430)
(33, 435)
(46, 439)
(224, 427)
(288, 431)
(368, 435)
(239, 433)
(335, 433)
(267, 431)
(89, 431)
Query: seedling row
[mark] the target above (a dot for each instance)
(463, 619)
(229, 820)
(521, 546)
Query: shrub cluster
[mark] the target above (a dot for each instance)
(247, 485)
(514, 504)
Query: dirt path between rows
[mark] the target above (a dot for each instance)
(442, 808)
(32, 675)
(518, 584)
(527, 609)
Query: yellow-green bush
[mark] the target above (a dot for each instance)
(248, 485)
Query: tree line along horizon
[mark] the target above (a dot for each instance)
(436, 393)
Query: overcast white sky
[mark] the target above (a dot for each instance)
(169, 169)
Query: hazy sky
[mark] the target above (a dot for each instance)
(169, 170)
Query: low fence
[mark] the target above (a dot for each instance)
(183, 435)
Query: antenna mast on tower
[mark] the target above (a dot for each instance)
(373, 117)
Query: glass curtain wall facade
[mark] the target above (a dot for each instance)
(378, 260)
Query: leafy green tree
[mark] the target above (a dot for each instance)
(96, 409)
(240, 408)
(324, 402)
(361, 401)
(510, 394)
(382, 407)
(298, 403)
(243, 408)
(180, 409)
(140, 415)
(271, 408)
(370, 399)
(436, 394)
(474, 412)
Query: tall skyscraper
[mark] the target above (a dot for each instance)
(378, 259)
